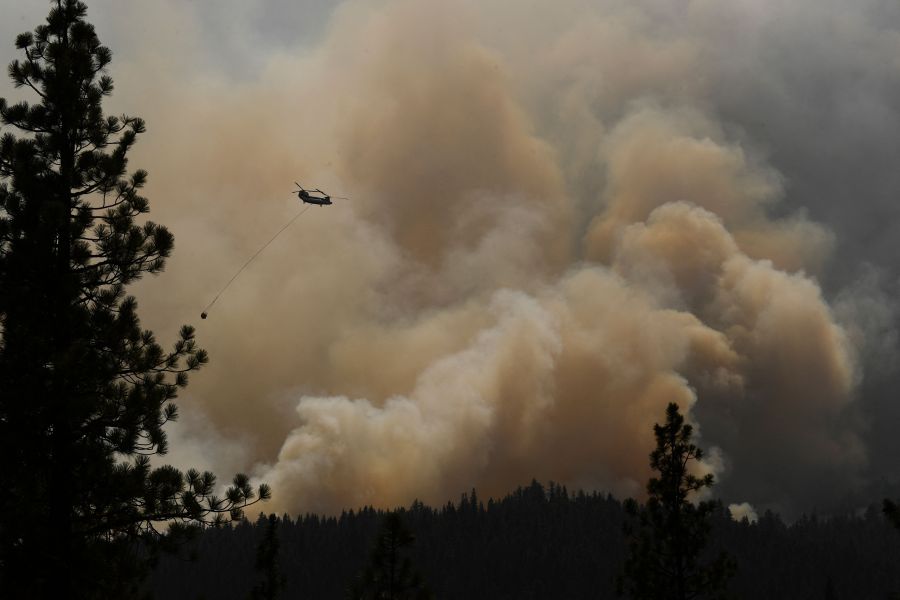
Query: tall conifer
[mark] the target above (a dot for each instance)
(390, 574)
(667, 537)
(272, 581)
(84, 390)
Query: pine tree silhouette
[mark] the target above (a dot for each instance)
(390, 574)
(84, 390)
(667, 536)
(892, 512)
(830, 594)
(272, 581)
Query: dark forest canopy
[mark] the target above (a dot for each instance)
(538, 542)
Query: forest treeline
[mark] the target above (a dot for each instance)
(538, 542)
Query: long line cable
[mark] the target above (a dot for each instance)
(250, 260)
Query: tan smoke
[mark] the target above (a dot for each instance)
(519, 283)
(565, 383)
(655, 157)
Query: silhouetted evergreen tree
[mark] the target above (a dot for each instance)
(892, 512)
(272, 581)
(84, 391)
(390, 574)
(668, 534)
(830, 594)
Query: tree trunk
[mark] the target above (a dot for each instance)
(60, 488)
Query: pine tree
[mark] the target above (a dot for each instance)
(830, 594)
(390, 574)
(272, 581)
(667, 536)
(84, 391)
(892, 512)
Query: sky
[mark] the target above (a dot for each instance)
(562, 216)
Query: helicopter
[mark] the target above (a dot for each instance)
(316, 196)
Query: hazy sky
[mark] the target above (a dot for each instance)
(562, 216)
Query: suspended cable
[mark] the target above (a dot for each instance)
(205, 312)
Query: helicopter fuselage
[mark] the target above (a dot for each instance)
(314, 200)
(316, 196)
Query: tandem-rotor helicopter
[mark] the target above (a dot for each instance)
(315, 196)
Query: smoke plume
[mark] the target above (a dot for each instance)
(561, 218)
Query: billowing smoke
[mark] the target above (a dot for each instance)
(743, 511)
(561, 218)
(564, 379)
